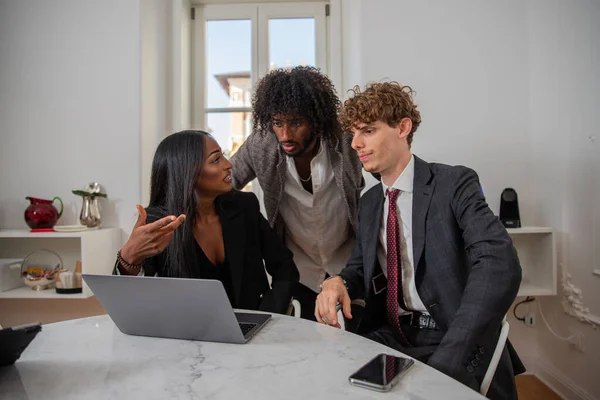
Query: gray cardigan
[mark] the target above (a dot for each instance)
(261, 157)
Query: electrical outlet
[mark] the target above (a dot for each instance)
(530, 319)
(577, 342)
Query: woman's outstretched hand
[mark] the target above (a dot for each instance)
(147, 240)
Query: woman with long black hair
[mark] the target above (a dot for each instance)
(197, 226)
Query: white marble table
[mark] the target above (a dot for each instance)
(289, 358)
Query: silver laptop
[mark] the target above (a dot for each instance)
(191, 309)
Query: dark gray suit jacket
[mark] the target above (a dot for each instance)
(466, 268)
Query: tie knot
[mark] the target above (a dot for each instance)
(393, 194)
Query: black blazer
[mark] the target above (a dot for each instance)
(250, 247)
(467, 272)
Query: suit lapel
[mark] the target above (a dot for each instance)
(234, 238)
(422, 193)
(371, 235)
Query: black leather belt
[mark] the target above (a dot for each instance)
(419, 320)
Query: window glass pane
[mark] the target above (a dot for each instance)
(228, 63)
(291, 42)
(229, 129)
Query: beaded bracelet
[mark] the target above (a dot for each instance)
(126, 264)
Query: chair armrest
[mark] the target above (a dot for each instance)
(294, 307)
(489, 374)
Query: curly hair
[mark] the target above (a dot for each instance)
(302, 91)
(389, 102)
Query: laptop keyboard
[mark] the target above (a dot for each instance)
(246, 327)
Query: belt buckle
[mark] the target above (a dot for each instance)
(420, 320)
(425, 322)
(428, 322)
(421, 323)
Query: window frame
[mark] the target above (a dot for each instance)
(328, 47)
(203, 14)
(259, 15)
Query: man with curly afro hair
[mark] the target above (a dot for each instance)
(309, 174)
(435, 267)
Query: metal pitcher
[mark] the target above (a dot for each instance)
(90, 212)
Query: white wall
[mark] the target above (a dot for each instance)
(185, 21)
(166, 80)
(470, 75)
(155, 91)
(497, 81)
(351, 46)
(69, 105)
(88, 90)
(565, 99)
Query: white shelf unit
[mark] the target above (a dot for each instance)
(536, 247)
(96, 249)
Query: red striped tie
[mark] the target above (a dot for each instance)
(394, 276)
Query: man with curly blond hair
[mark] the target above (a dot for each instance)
(436, 268)
(308, 172)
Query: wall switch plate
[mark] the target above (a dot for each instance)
(530, 319)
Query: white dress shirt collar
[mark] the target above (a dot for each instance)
(404, 182)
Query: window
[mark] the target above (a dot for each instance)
(236, 45)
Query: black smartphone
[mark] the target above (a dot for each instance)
(16, 339)
(381, 373)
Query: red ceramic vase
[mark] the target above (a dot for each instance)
(41, 214)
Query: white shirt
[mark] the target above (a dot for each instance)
(404, 201)
(317, 225)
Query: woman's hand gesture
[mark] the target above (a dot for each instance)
(147, 240)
